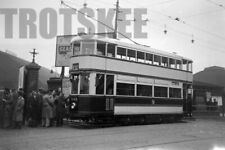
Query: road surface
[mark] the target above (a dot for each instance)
(201, 134)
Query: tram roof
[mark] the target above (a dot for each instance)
(142, 48)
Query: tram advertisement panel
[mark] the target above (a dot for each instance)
(63, 50)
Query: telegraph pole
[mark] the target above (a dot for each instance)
(116, 20)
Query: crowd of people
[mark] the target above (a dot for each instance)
(39, 108)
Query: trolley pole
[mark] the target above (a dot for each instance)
(116, 20)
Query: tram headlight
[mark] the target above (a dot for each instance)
(73, 105)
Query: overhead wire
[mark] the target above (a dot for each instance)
(180, 32)
(177, 19)
(104, 24)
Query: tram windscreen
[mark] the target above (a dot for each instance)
(87, 47)
(75, 81)
(84, 83)
(109, 84)
(100, 83)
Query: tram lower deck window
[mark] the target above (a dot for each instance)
(144, 90)
(160, 91)
(175, 92)
(125, 89)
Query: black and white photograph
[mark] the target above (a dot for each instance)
(112, 75)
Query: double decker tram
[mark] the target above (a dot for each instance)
(113, 81)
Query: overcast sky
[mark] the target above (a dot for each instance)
(201, 20)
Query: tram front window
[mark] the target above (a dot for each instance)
(75, 81)
(76, 48)
(109, 84)
(100, 83)
(84, 83)
(87, 47)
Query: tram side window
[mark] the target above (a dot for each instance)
(88, 47)
(157, 60)
(164, 61)
(172, 63)
(101, 47)
(84, 83)
(111, 50)
(76, 48)
(121, 53)
(100, 78)
(160, 91)
(140, 57)
(109, 84)
(179, 65)
(75, 81)
(149, 58)
(144, 90)
(125, 89)
(189, 66)
(175, 92)
(185, 65)
(131, 55)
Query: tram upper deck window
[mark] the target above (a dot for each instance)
(179, 64)
(160, 91)
(164, 62)
(75, 80)
(190, 66)
(109, 84)
(157, 60)
(121, 53)
(100, 78)
(172, 63)
(87, 47)
(131, 55)
(111, 50)
(149, 58)
(76, 48)
(185, 65)
(141, 57)
(84, 83)
(175, 92)
(101, 47)
(144, 90)
(125, 89)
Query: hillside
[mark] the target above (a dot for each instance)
(9, 70)
(212, 75)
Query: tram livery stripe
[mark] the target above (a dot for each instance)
(128, 110)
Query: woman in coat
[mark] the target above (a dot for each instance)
(18, 111)
(46, 110)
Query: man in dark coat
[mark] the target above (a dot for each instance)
(34, 109)
(60, 109)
